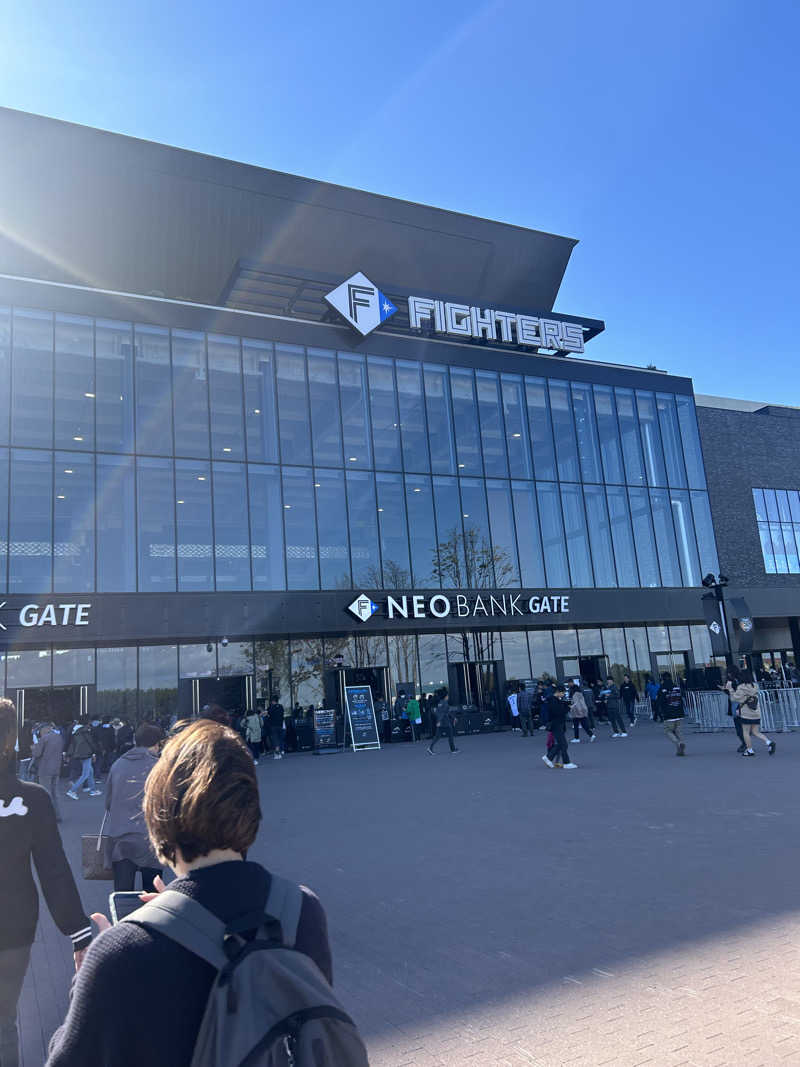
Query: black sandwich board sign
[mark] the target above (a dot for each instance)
(361, 717)
(324, 730)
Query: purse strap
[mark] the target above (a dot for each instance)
(100, 835)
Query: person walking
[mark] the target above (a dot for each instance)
(444, 724)
(579, 714)
(252, 733)
(588, 697)
(671, 702)
(630, 695)
(131, 851)
(275, 720)
(746, 696)
(414, 717)
(513, 707)
(651, 688)
(124, 738)
(48, 752)
(558, 754)
(81, 749)
(525, 706)
(28, 832)
(731, 681)
(612, 699)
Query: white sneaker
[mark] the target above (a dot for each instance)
(616, 735)
(593, 737)
(570, 766)
(255, 762)
(72, 794)
(622, 735)
(575, 741)
(95, 793)
(549, 763)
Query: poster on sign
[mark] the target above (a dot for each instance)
(324, 730)
(361, 717)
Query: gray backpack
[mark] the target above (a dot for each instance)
(270, 1005)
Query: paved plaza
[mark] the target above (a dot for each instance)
(486, 910)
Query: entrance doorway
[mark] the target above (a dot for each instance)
(675, 664)
(228, 691)
(61, 704)
(377, 678)
(478, 685)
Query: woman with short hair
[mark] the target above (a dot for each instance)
(140, 997)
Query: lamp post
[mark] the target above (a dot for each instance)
(717, 583)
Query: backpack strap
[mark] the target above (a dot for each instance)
(186, 922)
(284, 903)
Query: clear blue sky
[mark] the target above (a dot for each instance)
(663, 136)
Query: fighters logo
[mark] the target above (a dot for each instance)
(361, 303)
(363, 608)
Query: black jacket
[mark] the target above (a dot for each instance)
(628, 693)
(559, 708)
(275, 716)
(28, 831)
(139, 998)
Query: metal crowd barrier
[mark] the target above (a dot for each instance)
(708, 711)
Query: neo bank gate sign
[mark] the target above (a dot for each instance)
(460, 606)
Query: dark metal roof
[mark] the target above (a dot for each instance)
(84, 206)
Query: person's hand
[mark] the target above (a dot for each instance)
(80, 956)
(160, 887)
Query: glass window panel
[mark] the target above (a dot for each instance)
(190, 393)
(74, 382)
(590, 642)
(771, 500)
(225, 389)
(564, 432)
(555, 553)
(32, 379)
(307, 665)
(684, 532)
(323, 391)
(794, 504)
(28, 667)
(704, 529)
(384, 414)
(300, 525)
(638, 654)
(679, 638)
(600, 536)
(588, 449)
(616, 650)
(357, 438)
(158, 681)
(701, 645)
(541, 429)
(440, 419)
(293, 404)
(403, 665)
(515, 655)
(195, 661)
(580, 563)
(272, 658)
(622, 536)
(73, 523)
(629, 437)
(504, 544)
(610, 450)
(465, 416)
(153, 391)
(114, 386)
(30, 522)
(334, 545)
(665, 537)
(422, 531)
(5, 373)
(235, 658)
(566, 642)
(155, 492)
(116, 523)
(393, 531)
(783, 505)
(73, 666)
(261, 421)
(671, 438)
(690, 437)
(414, 434)
(760, 506)
(651, 438)
(266, 528)
(117, 682)
(778, 548)
(766, 548)
(644, 537)
(363, 510)
(364, 650)
(658, 636)
(528, 536)
(3, 523)
(479, 568)
(231, 540)
(493, 432)
(432, 662)
(543, 660)
(516, 426)
(791, 548)
(452, 570)
(195, 534)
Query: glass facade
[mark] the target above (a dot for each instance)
(140, 458)
(778, 517)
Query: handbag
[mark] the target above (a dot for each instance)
(96, 855)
